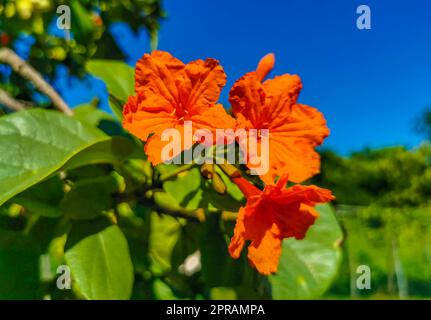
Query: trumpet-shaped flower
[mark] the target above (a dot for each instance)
(169, 93)
(270, 216)
(294, 129)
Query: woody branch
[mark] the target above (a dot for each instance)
(29, 73)
(8, 101)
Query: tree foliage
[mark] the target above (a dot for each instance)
(391, 177)
(85, 196)
(89, 36)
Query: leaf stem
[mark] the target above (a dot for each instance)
(173, 174)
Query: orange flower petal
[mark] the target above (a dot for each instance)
(294, 129)
(213, 118)
(284, 85)
(293, 143)
(142, 123)
(156, 75)
(272, 215)
(281, 94)
(264, 250)
(266, 64)
(169, 93)
(247, 97)
(265, 254)
(159, 60)
(237, 242)
(202, 84)
(154, 148)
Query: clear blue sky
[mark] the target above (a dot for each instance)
(370, 84)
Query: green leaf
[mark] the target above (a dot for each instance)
(90, 114)
(118, 77)
(165, 231)
(89, 198)
(99, 260)
(162, 291)
(231, 188)
(219, 269)
(96, 117)
(83, 24)
(113, 151)
(116, 106)
(190, 191)
(35, 144)
(43, 198)
(19, 269)
(223, 293)
(308, 267)
(19, 275)
(186, 245)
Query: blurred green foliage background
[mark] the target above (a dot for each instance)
(383, 204)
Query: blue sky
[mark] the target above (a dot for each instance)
(370, 84)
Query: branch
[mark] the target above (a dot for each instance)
(8, 101)
(29, 73)
(164, 206)
(197, 215)
(229, 216)
(177, 171)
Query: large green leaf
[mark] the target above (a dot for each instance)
(118, 76)
(19, 272)
(43, 198)
(96, 117)
(165, 231)
(186, 245)
(218, 267)
(83, 25)
(99, 260)
(308, 267)
(89, 198)
(90, 114)
(19, 275)
(113, 151)
(36, 143)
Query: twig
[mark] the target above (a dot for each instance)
(176, 172)
(8, 101)
(147, 199)
(229, 216)
(29, 73)
(197, 215)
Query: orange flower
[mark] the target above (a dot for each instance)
(169, 93)
(272, 215)
(294, 129)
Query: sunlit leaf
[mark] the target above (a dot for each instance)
(113, 151)
(308, 267)
(89, 198)
(99, 259)
(118, 77)
(36, 143)
(165, 231)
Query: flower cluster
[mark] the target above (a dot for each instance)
(170, 93)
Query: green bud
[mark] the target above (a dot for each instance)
(230, 170)
(218, 184)
(207, 170)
